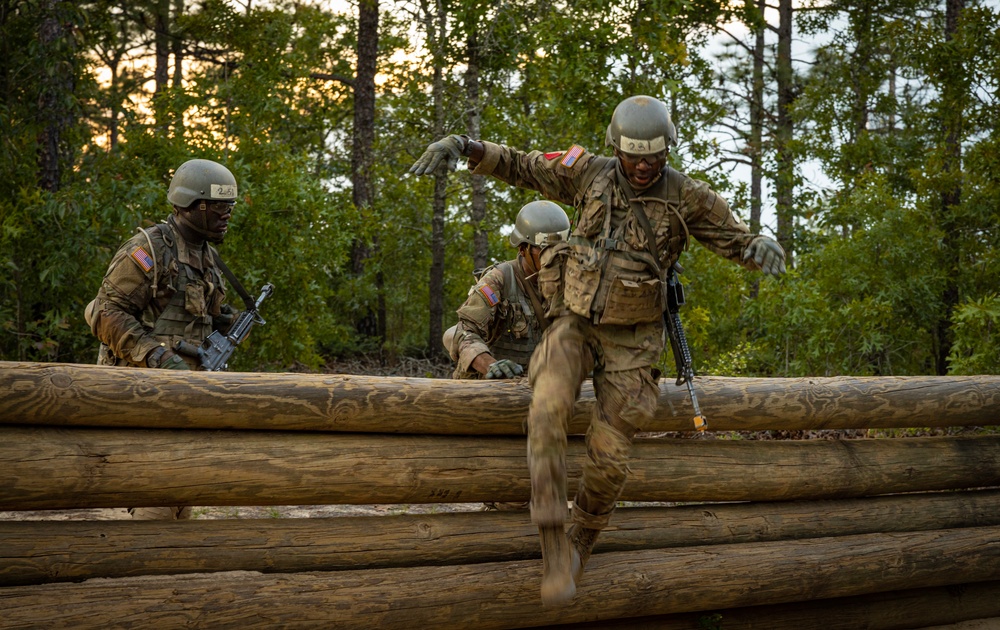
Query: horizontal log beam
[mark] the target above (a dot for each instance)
(36, 552)
(879, 611)
(69, 394)
(506, 594)
(51, 468)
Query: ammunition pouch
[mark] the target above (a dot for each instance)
(630, 293)
(550, 277)
(582, 278)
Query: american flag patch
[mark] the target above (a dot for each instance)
(572, 155)
(491, 297)
(141, 258)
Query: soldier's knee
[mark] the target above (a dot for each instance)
(629, 399)
(607, 459)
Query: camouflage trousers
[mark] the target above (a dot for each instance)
(625, 400)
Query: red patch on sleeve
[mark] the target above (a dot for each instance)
(553, 154)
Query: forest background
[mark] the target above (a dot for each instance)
(866, 130)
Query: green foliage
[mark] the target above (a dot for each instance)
(266, 90)
(710, 622)
(977, 337)
(56, 247)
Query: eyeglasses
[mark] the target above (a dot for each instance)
(220, 207)
(651, 159)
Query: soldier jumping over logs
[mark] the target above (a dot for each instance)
(604, 293)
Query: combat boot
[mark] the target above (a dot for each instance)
(582, 541)
(557, 578)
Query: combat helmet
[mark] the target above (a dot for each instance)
(536, 221)
(201, 179)
(641, 125)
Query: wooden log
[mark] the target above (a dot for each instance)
(68, 394)
(36, 552)
(506, 594)
(895, 610)
(972, 624)
(49, 468)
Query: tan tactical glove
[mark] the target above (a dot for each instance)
(445, 151)
(768, 255)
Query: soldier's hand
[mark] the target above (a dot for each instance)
(445, 151)
(768, 254)
(165, 359)
(224, 319)
(504, 368)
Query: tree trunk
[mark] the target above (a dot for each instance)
(757, 121)
(757, 130)
(785, 177)
(506, 594)
(56, 94)
(480, 238)
(177, 48)
(86, 395)
(161, 69)
(50, 468)
(951, 114)
(363, 187)
(37, 552)
(437, 25)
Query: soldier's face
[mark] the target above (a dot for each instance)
(641, 170)
(532, 258)
(217, 215)
(534, 253)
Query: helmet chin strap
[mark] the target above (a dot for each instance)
(184, 216)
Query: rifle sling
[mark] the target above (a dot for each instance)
(536, 303)
(247, 300)
(640, 215)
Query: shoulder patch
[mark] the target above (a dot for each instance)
(553, 154)
(141, 258)
(489, 294)
(572, 156)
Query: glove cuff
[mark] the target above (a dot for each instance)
(466, 145)
(154, 358)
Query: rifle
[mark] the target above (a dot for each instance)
(679, 344)
(215, 351)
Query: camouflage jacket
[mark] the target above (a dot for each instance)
(606, 271)
(158, 289)
(498, 317)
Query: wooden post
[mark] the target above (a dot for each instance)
(506, 594)
(36, 552)
(913, 608)
(68, 394)
(49, 468)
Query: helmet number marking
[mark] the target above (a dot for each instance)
(223, 191)
(643, 147)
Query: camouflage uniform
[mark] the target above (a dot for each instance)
(604, 297)
(497, 318)
(141, 306)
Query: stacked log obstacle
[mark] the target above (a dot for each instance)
(886, 533)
